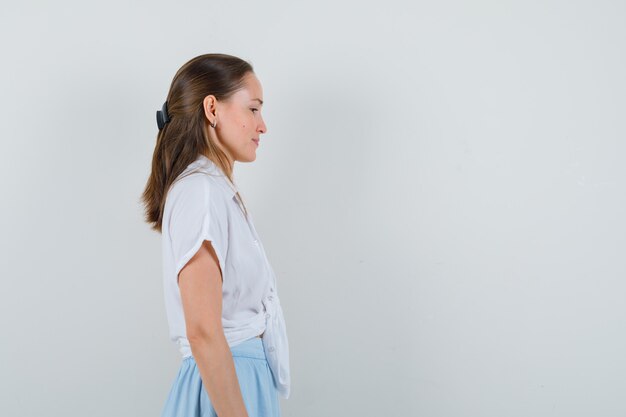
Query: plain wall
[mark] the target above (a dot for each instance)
(440, 191)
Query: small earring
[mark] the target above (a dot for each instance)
(213, 124)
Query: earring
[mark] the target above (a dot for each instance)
(213, 124)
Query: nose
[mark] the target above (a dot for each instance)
(262, 127)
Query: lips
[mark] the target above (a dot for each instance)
(255, 141)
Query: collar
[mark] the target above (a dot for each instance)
(212, 168)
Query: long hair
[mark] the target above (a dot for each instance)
(185, 136)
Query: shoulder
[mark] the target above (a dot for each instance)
(199, 185)
(191, 188)
(195, 181)
(196, 192)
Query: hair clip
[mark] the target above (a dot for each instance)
(162, 116)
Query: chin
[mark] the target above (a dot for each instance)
(249, 158)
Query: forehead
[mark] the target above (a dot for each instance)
(251, 89)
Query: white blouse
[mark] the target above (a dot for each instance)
(202, 204)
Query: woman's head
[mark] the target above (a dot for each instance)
(236, 123)
(216, 90)
(214, 108)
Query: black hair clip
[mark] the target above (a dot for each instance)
(162, 116)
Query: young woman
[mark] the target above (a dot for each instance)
(220, 290)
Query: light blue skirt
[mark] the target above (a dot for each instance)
(188, 398)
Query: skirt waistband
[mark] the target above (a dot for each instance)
(251, 348)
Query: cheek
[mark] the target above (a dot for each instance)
(247, 120)
(243, 121)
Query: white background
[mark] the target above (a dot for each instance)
(440, 192)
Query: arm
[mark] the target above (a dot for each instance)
(200, 283)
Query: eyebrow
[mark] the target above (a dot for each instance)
(259, 100)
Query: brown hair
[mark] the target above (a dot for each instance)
(185, 136)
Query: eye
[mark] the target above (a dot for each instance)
(253, 110)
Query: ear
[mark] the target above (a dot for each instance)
(210, 106)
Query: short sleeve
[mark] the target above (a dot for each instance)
(192, 222)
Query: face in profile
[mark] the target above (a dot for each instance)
(239, 120)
